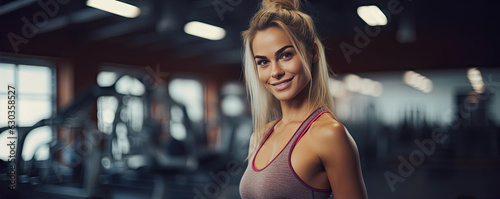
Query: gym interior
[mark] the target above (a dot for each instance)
(137, 99)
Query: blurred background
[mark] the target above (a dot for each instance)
(146, 98)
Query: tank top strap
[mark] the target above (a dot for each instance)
(268, 133)
(305, 126)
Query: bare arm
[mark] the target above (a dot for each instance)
(339, 155)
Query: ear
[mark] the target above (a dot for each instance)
(315, 53)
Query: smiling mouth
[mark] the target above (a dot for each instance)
(282, 82)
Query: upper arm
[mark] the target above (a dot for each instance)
(339, 155)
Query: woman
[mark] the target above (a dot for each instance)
(305, 152)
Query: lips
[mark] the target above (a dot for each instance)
(282, 85)
(282, 82)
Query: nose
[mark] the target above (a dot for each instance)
(276, 71)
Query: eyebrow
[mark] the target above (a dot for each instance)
(276, 53)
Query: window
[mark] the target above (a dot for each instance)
(188, 92)
(35, 100)
(122, 115)
(131, 105)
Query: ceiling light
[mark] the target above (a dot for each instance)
(337, 88)
(204, 30)
(418, 81)
(353, 82)
(365, 86)
(377, 90)
(372, 15)
(115, 7)
(476, 80)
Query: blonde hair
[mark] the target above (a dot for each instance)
(299, 27)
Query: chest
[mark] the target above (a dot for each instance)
(280, 142)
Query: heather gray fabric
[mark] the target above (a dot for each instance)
(277, 179)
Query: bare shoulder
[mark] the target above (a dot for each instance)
(328, 127)
(330, 134)
(339, 155)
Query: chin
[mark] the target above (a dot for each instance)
(285, 96)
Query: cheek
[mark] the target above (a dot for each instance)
(295, 67)
(262, 75)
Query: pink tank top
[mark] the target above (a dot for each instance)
(278, 179)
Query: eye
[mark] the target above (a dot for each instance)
(262, 62)
(286, 56)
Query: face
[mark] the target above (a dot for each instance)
(278, 64)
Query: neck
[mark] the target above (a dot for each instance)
(298, 108)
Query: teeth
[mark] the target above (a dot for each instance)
(282, 83)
